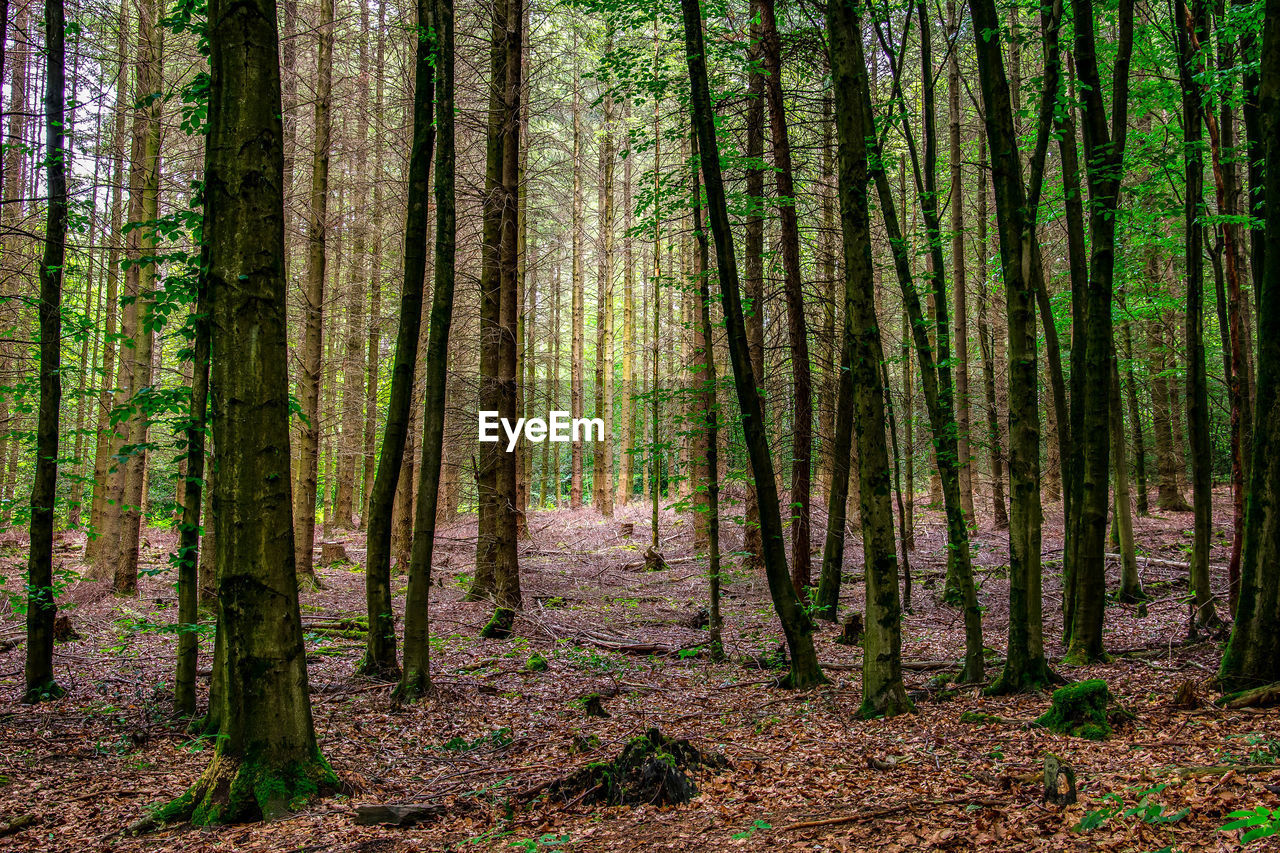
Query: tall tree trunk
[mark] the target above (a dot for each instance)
(313, 313)
(1025, 665)
(140, 282)
(496, 556)
(353, 368)
(433, 58)
(626, 456)
(963, 453)
(861, 391)
(707, 406)
(578, 355)
(1253, 654)
(796, 625)
(373, 359)
(797, 330)
(102, 475)
(1189, 22)
(380, 649)
(1104, 153)
(41, 605)
(753, 258)
(266, 758)
(187, 556)
(602, 465)
(987, 341)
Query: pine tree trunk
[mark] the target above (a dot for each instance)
(140, 279)
(313, 315)
(753, 260)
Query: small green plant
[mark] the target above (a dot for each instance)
(756, 824)
(550, 843)
(496, 739)
(1261, 822)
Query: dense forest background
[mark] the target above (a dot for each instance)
(962, 340)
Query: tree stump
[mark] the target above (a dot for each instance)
(593, 706)
(627, 529)
(333, 552)
(653, 561)
(63, 630)
(700, 619)
(1079, 710)
(651, 770)
(851, 634)
(1057, 771)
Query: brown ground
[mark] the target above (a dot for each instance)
(88, 765)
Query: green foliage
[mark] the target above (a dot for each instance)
(549, 843)
(751, 830)
(496, 739)
(1261, 822)
(535, 663)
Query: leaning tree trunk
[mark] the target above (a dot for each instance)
(41, 606)
(796, 625)
(266, 760)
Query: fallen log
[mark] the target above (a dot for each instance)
(398, 814)
(1255, 698)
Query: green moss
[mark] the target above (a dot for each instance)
(978, 717)
(535, 663)
(1079, 710)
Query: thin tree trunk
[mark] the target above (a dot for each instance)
(433, 59)
(313, 314)
(41, 605)
(796, 625)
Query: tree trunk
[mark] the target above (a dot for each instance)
(188, 553)
(987, 340)
(963, 453)
(140, 282)
(753, 260)
(380, 648)
(42, 607)
(796, 625)
(1253, 654)
(313, 314)
(1025, 666)
(266, 759)
(1197, 390)
(578, 355)
(434, 58)
(797, 330)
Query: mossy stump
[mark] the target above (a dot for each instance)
(1079, 710)
(652, 769)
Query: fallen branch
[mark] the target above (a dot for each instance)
(1222, 769)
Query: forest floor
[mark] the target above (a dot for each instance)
(804, 773)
